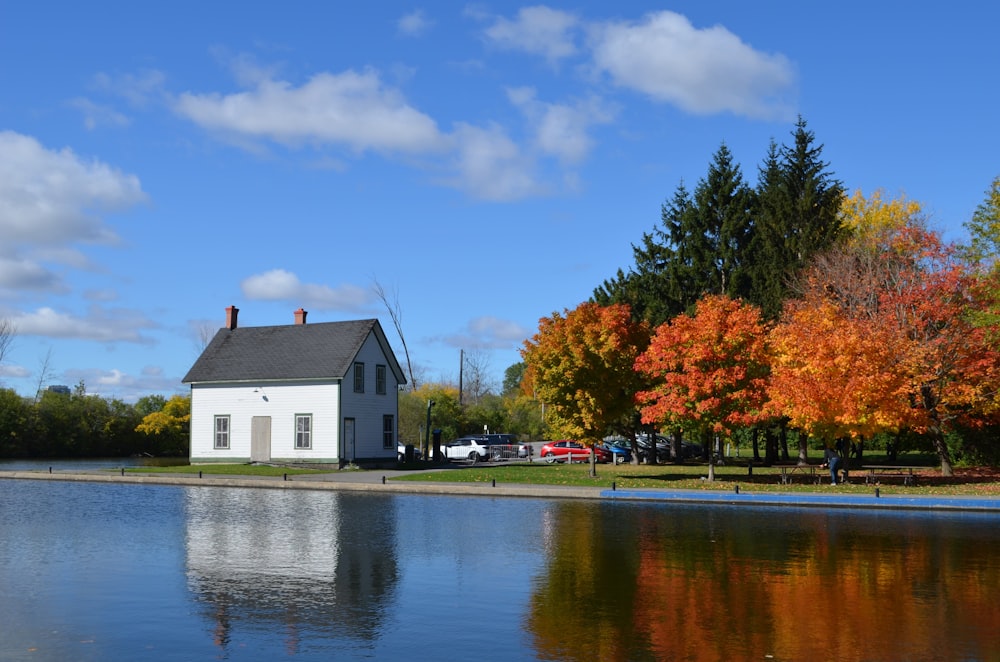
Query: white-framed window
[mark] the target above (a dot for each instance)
(388, 431)
(222, 432)
(303, 431)
(359, 377)
(380, 379)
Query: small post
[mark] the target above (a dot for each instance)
(123, 471)
(199, 474)
(750, 468)
(494, 482)
(737, 489)
(383, 480)
(284, 476)
(613, 486)
(877, 494)
(50, 469)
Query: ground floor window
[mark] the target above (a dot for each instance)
(388, 431)
(222, 432)
(303, 431)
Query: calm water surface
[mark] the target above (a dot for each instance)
(136, 572)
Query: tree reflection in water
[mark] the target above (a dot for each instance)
(733, 583)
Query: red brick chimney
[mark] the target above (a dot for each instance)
(300, 316)
(231, 313)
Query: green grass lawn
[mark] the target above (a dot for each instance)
(224, 470)
(693, 477)
(977, 481)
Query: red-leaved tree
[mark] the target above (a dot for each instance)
(709, 370)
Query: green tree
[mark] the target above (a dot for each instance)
(512, 377)
(15, 417)
(699, 248)
(148, 404)
(796, 215)
(984, 229)
(446, 414)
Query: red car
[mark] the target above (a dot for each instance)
(572, 451)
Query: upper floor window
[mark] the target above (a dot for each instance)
(221, 432)
(359, 377)
(303, 431)
(380, 379)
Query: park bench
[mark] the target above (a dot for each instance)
(788, 470)
(878, 471)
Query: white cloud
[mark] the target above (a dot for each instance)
(561, 129)
(19, 274)
(101, 325)
(14, 371)
(492, 327)
(414, 24)
(49, 197)
(350, 109)
(136, 89)
(700, 70)
(488, 332)
(281, 285)
(97, 115)
(120, 384)
(536, 30)
(492, 166)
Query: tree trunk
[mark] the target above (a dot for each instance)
(783, 437)
(593, 463)
(756, 447)
(770, 448)
(708, 444)
(675, 446)
(803, 448)
(937, 436)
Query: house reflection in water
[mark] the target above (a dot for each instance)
(312, 564)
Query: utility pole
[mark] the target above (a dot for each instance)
(427, 431)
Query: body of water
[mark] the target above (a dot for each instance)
(127, 572)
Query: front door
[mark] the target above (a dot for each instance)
(260, 439)
(349, 439)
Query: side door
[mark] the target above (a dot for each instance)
(349, 450)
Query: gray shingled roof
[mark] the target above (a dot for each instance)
(296, 351)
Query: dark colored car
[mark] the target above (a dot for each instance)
(572, 451)
(620, 451)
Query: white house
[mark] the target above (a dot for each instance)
(299, 393)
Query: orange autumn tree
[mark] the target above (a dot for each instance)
(835, 376)
(709, 370)
(900, 283)
(580, 364)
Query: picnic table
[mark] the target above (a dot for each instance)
(787, 471)
(877, 471)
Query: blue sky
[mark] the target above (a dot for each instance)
(487, 164)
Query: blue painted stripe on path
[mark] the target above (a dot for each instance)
(807, 499)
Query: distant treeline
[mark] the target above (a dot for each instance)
(73, 424)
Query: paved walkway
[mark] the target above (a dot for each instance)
(381, 481)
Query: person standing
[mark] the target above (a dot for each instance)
(833, 460)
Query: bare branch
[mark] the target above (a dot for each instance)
(203, 334)
(44, 373)
(477, 380)
(8, 331)
(397, 321)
